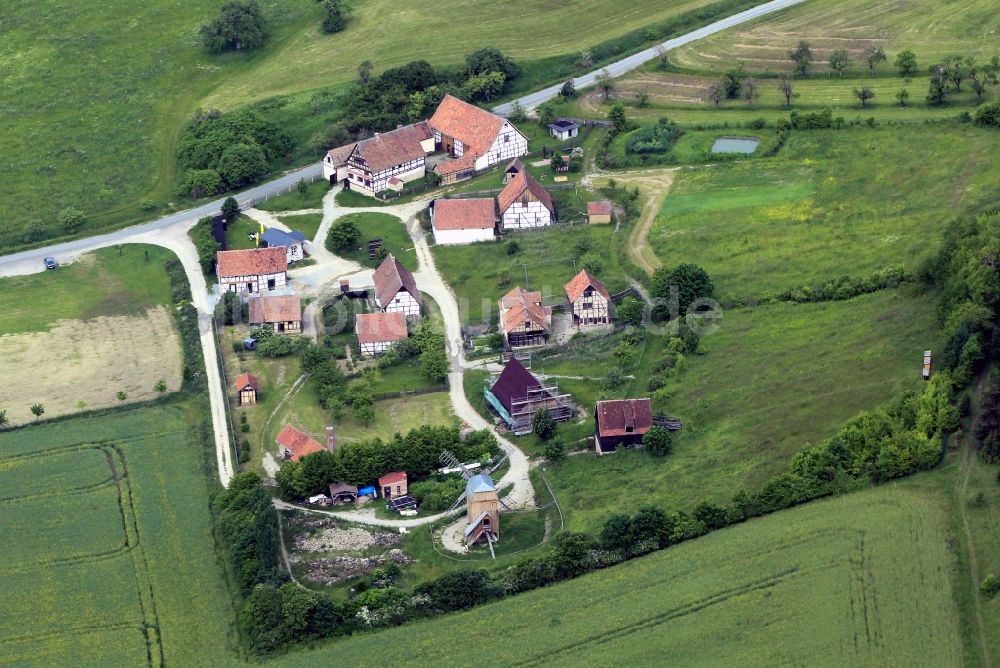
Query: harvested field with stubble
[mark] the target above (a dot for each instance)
(89, 361)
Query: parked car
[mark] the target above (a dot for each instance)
(50, 263)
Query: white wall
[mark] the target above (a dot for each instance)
(520, 216)
(402, 302)
(453, 237)
(259, 283)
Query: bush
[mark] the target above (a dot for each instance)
(242, 164)
(811, 121)
(658, 442)
(282, 346)
(205, 244)
(437, 495)
(988, 115)
(239, 26)
(229, 311)
(71, 220)
(554, 450)
(343, 234)
(543, 424)
(990, 586)
(658, 138)
(201, 183)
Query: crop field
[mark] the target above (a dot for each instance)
(106, 512)
(72, 338)
(771, 380)
(140, 72)
(824, 580)
(548, 258)
(819, 211)
(930, 29)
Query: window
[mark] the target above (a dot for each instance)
(587, 305)
(506, 139)
(629, 429)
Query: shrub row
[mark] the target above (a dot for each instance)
(186, 317)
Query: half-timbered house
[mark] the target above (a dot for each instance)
(282, 312)
(395, 289)
(524, 203)
(370, 164)
(523, 319)
(463, 221)
(377, 331)
(252, 270)
(476, 138)
(589, 300)
(247, 387)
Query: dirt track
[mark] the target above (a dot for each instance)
(89, 361)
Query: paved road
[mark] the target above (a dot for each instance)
(624, 65)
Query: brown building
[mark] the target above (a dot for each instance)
(343, 493)
(393, 485)
(482, 509)
(283, 313)
(523, 319)
(247, 387)
(589, 300)
(621, 423)
(599, 213)
(377, 331)
(293, 444)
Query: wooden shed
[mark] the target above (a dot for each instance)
(599, 213)
(482, 509)
(247, 387)
(393, 485)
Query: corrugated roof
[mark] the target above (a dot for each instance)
(520, 183)
(390, 278)
(513, 383)
(284, 308)
(476, 128)
(621, 417)
(250, 262)
(380, 327)
(576, 287)
(464, 214)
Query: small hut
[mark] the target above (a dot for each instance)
(247, 387)
(482, 509)
(599, 213)
(393, 485)
(343, 493)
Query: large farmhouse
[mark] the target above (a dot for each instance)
(283, 313)
(395, 289)
(589, 300)
(621, 423)
(369, 165)
(253, 270)
(523, 319)
(476, 138)
(463, 221)
(524, 203)
(377, 331)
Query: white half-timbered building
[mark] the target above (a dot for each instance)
(476, 138)
(369, 165)
(377, 331)
(524, 203)
(395, 289)
(463, 221)
(589, 300)
(251, 271)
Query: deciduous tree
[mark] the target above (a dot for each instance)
(240, 25)
(874, 55)
(864, 93)
(605, 83)
(906, 63)
(658, 442)
(365, 68)
(839, 61)
(543, 424)
(750, 91)
(37, 410)
(801, 57)
(785, 86)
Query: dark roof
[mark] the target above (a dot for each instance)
(513, 383)
(621, 417)
(518, 185)
(390, 278)
(563, 125)
(515, 166)
(338, 488)
(274, 237)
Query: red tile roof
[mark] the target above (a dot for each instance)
(476, 128)
(517, 186)
(615, 416)
(245, 380)
(285, 308)
(392, 478)
(380, 327)
(519, 306)
(602, 208)
(338, 156)
(464, 214)
(456, 165)
(252, 262)
(576, 287)
(394, 147)
(390, 278)
(298, 444)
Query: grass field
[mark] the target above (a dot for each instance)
(797, 588)
(771, 380)
(140, 72)
(548, 258)
(390, 229)
(817, 211)
(115, 508)
(931, 29)
(307, 223)
(312, 198)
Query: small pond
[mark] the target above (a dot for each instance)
(735, 145)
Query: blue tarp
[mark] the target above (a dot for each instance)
(367, 491)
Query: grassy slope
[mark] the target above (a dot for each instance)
(118, 283)
(138, 72)
(796, 588)
(169, 491)
(931, 29)
(770, 381)
(831, 203)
